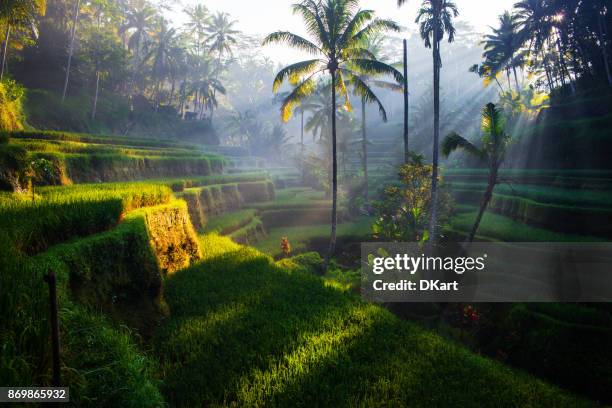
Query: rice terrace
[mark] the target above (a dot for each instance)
(185, 187)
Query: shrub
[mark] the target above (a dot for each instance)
(11, 112)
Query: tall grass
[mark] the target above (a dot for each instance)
(62, 213)
(246, 332)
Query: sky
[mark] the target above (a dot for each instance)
(263, 17)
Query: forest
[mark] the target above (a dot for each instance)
(186, 186)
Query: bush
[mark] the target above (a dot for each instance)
(11, 112)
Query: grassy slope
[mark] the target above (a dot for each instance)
(244, 331)
(500, 228)
(300, 235)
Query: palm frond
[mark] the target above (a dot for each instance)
(293, 40)
(377, 26)
(294, 72)
(454, 141)
(303, 90)
(363, 90)
(369, 66)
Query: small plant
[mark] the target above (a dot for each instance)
(403, 212)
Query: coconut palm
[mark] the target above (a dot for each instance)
(374, 45)
(18, 13)
(75, 20)
(494, 142)
(197, 25)
(140, 22)
(222, 38)
(338, 29)
(501, 49)
(435, 18)
(161, 54)
(205, 86)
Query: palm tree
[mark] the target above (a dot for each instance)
(501, 48)
(17, 13)
(205, 87)
(197, 25)
(161, 53)
(338, 28)
(373, 45)
(435, 18)
(222, 38)
(494, 142)
(75, 21)
(140, 21)
(531, 17)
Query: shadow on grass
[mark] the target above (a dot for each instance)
(243, 332)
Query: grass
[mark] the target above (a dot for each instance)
(300, 235)
(245, 332)
(62, 213)
(120, 272)
(99, 139)
(227, 223)
(499, 228)
(545, 194)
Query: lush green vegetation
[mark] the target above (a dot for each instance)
(315, 345)
(126, 126)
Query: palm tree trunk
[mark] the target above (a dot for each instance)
(485, 202)
(302, 146)
(7, 37)
(564, 70)
(518, 87)
(75, 20)
(508, 77)
(95, 102)
(406, 151)
(547, 70)
(433, 220)
(604, 48)
(216, 80)
(334, 215)
(364, 147)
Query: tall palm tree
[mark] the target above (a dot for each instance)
(435, 19)
(17, 13)
(494, 142)
(197, 25)
(205, 86)
(161, 53)
(222, 38)
(374, 46)
(139, 23)
(501, 49)
(75, 21)
(338, 29)
(532, 20)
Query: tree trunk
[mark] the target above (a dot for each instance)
(433, 219)
(364, 147)
(406, 150)
(302, 147)
(95, 102)
(75, 20)
(216, 80)
(564, 70)
(485, 202)
(518, 87)
(7, 37)
(334, 217)
(604, 48)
